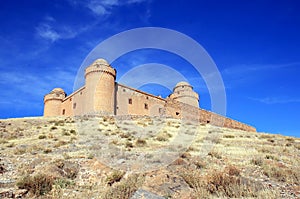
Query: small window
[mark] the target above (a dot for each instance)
(70, 99)
(146, 106)
(147, 97)
(177, 113)
(64, 111)
(160, 110)
(129, 101)
(207, 121)
(124, 90)
(74, 105)
(80, 93)
(182, 86)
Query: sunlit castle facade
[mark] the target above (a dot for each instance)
(102, 95)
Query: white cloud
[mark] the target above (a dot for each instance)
(49, 29)
(46, 31)
(104, 7)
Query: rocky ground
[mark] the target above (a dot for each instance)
(143, 157)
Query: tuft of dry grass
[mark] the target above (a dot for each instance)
(125, 188)
(115, 176)
(140, 142)
(226, 183)
(38, 185)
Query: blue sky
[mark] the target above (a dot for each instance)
(255, 45)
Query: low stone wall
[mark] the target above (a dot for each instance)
(184, 111)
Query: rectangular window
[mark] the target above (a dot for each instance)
(129, 101)
(64, 111)
(74, 105)
(160, 110)
(146, 106)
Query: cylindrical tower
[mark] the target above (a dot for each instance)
(100, 88)
(53, 101)
(183, 92)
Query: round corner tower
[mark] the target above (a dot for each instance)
(100, 88)
(53, 102)
(183, 92)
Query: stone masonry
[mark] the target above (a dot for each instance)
(102, 95)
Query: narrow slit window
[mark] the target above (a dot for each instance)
(146, 106)
(74, 105)
(63, 111)
(129, 101)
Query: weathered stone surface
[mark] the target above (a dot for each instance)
(143, 194)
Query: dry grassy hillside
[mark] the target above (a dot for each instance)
(106, 157)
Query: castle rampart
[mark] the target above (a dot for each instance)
(101, 94)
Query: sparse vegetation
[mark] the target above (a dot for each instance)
(39, 184)
(53, 128)
(140, 142)
(42, 136)
(219, 163)
(125, 188)
(115, 176)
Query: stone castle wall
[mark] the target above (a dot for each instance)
(102, 95)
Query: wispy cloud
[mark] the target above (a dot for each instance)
(46, 31)
(276, 100)
(104, 7)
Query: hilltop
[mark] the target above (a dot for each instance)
(113, 157)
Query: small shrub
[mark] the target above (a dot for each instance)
(59, 123)
(125, 189)
(19, 151)
(65, 133)
(215, 154)
(271, 157)
(3, 141)
(289, 139)
(266, 136)
(128, 145)
(228, 136)
(257, 161)
(232, 170)
(60, 143)
(186, 155)
(53, 128)
(124, 135)
(10, 145)
(42, 136)
(90, 156)
(281, 174)
(271, 140)
(161, 138)
(47, 150)
(66, 156)
(140, 142)
(116, 176)
(72, 131)
(38, 184)
(63, 183)
(200, 164)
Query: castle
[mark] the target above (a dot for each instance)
(102, 95)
